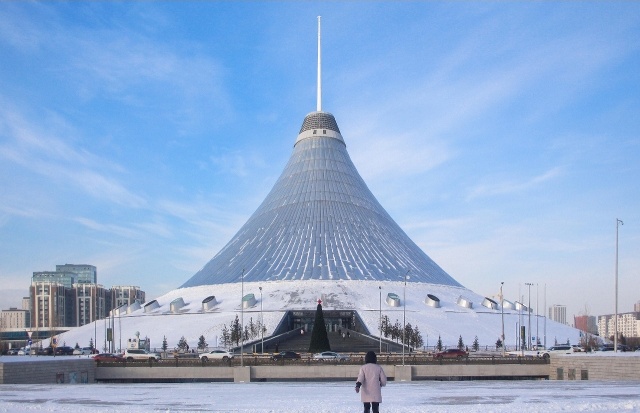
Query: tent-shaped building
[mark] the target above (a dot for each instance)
(320, 234)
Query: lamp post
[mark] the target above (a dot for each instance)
(502, 316)
(615, 323)
(261, 324)
(404, 314)
(537, 315)
(380, 318)
(529, 311)
(242, 318)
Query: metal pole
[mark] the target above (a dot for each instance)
(502, 316)
(615, 321)
(319, 97)
(261, 324)
(545, 316)
(537, 317)
(242, 319)
(380, 318)
(404, 315)
(529, 311)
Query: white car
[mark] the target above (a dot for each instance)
(559, 349)
(216, 355)
(140, 354)
(84, 351)
(330, 355)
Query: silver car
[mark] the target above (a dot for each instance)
(330, 355)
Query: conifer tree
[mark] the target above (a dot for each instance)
(165, 345)
(439, 344)
(476, 344)
(319, 339)
(202, 343)
(460, 343)
(182, 344)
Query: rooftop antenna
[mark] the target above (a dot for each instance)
(319, 104)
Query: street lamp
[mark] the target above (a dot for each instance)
(261, 323)
(404, 315)
(380, 318)
(242, 318)
(615, 336)
(529, 311)
(502, 315)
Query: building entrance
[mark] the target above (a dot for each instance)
(334, 320)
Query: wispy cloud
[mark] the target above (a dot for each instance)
(512, 186)
(35, 146)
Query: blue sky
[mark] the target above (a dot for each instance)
(503, 137)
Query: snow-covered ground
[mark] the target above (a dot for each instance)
(442, 397)
(449, 322)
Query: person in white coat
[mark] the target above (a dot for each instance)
(371, 379)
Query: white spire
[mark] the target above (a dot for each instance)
(319, 104)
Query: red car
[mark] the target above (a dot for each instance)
(451, 353)
(108, 357)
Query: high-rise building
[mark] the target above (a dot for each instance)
(66, 279)
(628, 324)
(83, 273)
(26, 303)
(636, 307)
(586, 323)
(51, 305)
(70, 297)
(558, 312)
(90, 303)
(126, 295)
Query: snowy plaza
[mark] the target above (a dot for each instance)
(326, 397)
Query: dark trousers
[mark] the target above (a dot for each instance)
(367, 407)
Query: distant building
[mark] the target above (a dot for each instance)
(51, 305)
(558, 313)
(636, 307)
(83, 273)
(26, 303)
(126, 295)
(628, 324)
(586, 323)
(66, 279)
(14, 318)
(71, 297)
(90, 303)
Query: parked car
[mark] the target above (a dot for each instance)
(451, 353)
(84, 351)
(24, 351)
(609, 347)
(45, 351)
(108, 357)
(330, 355)
(286, 355)
(216, 355)
(140, 354)
(63, 351)
(12, 352)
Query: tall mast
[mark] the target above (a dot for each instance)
(319, 104)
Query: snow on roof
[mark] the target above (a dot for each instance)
(450, 321)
